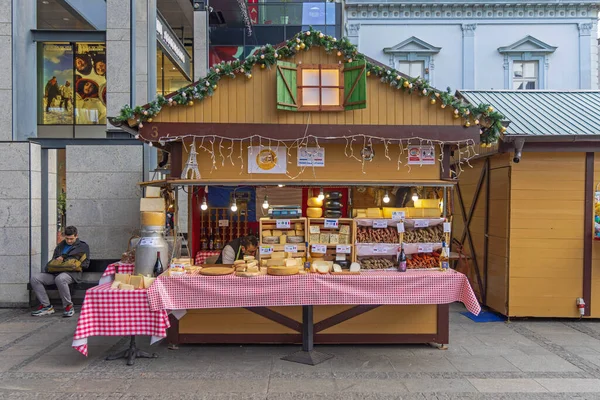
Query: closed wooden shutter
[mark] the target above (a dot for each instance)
(285, 196)
(355, 85)
(287, 98)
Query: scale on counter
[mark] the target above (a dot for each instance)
(285, 212)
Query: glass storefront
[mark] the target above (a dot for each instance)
(72, 83)
(168, 77)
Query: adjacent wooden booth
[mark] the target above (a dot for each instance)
(265, 109)
(525, 211)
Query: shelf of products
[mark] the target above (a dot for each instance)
(219, 226)
(282, 237)
(331, 239)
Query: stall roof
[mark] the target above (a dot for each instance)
(298, 182)
(543, 112)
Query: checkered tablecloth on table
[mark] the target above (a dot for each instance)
(113, 312)
(201, 256)
(112, 269)
(385, 287)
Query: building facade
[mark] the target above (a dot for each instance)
(477, 45)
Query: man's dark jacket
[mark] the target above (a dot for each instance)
(77, 249)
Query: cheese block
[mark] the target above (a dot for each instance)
(314, 212)
(253, 269)
(298, 226)
(252, 264)
(344, 229)
(344, 239)
(153, 218)
(136, 281)
(299, 261)
(334, 238)
(324, 238)
(241, 268)
(249, 258)
(115, 285)
(126, 287)
(263, 263)
(314, 238)
(314, 202)
(374, 213)
(148, 281)
(277, 233)
(283, 239)
(299, 233)
(152, 204)
(314, 229)
(152, 191)
(123, 278)
(238, 262)
(278, 255)
(290, 262)
(267, 233)
(275, 262)
(282, 271)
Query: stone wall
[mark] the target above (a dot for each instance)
(103, 195)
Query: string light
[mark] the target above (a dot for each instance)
(321, 195)
(386, 198)
(204, 205)
(280, 185)
(234, 207)
(266, 203)
(415, 196)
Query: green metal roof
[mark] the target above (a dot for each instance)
(543, 112)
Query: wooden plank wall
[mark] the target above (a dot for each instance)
(243, 100)
(546, 234)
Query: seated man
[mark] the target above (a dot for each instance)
(70, 247)
(237, 249)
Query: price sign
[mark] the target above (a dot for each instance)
(283, 224)
(291, 248)
(315, 229)
(340, 257)
(447, 227)
(380, 249)
(400, 226)
(223, 223)
(319, 248)
(343, 249)
(378, 223)
(425, 248)
(421, 223)
(266, 250)
(331, 223)
(398, 215)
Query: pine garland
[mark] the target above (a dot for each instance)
(483, 115)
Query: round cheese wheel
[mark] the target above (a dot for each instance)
(314, 202)
(153, 218)
(314, 212)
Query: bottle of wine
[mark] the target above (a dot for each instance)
(402, 259)
(211, 241)
(204, 240)
(218, 243)
(158, 267)
(444, 258)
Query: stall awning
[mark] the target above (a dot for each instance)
(298, 182)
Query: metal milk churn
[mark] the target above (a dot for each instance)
(152, 241)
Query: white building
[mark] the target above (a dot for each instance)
(468, 44)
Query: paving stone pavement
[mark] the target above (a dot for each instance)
(527, 359)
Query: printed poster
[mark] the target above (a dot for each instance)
(267, 160)
(421, 155)
(311, 157)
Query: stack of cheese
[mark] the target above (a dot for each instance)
(343, 237)
(248, 264)
(152, 208)
(131, 282)
(314, 209)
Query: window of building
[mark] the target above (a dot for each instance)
(320, 87)
(72, 84)
(412, 68)
(525, 75)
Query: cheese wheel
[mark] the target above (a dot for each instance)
(152, 204)
(314, 202)
(152, 218)
(314, 212)
(152, 191)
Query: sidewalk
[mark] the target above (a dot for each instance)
(519, 360)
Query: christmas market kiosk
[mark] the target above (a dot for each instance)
(340, 167)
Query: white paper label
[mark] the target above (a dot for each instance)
(343, 249)
(421, 223)
(331, 223)
(398, 215)
(447, 227)
(378, 223)
(319, 248)
(400, 227)
(425, 248)
(315, 229)
(266, 249)
(283, 224)
(291, 248)
(340, 257)
(380, 249)
(223, 223)
(148, 242)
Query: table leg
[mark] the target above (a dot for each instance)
(131, 353)
(308, 355)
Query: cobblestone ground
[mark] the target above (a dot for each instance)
(517, 360)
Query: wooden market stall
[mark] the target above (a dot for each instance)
(376, 127)
(528, 206)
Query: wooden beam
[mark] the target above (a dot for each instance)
(343, 316)
(588, 227)
(276, 317)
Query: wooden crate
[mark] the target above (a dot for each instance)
(271, 224)
(331, 248)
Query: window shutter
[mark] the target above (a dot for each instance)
(355, 85)
(287, 98)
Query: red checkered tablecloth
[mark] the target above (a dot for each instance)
(113, 312)
(201, 256)
(385, 287)
(122, 268)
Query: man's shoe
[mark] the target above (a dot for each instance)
(69, 311)
(41, 310)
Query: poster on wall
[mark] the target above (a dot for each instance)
(311, 157)
(56, 93)
(90, 83)
(267, 160)
(421, 155)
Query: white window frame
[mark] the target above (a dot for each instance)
(524, 79)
